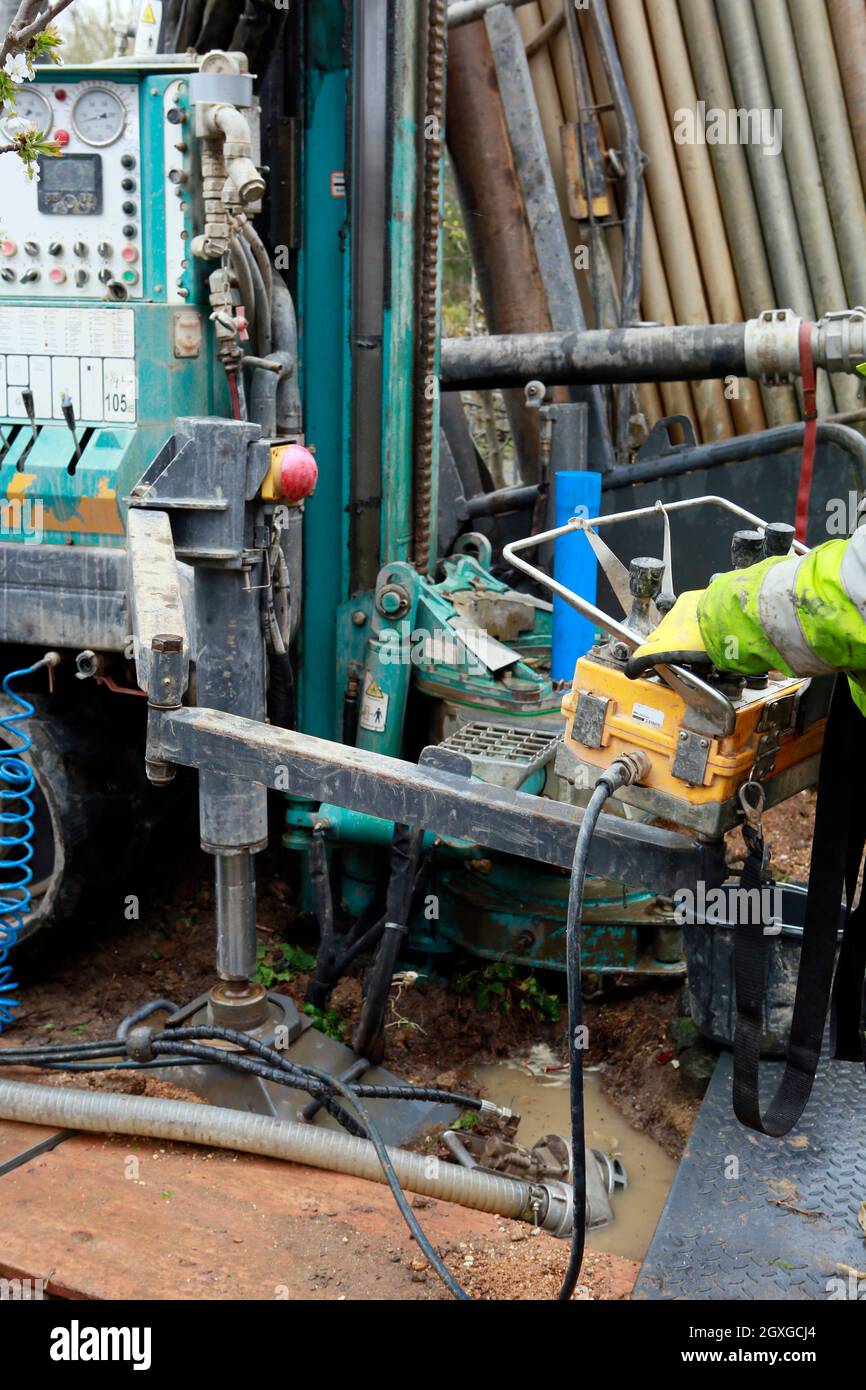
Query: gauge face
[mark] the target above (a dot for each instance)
(98, 116)
(31, 106)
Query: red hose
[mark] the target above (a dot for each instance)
(810, 415)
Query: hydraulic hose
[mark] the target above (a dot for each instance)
(630, 768)
(219, 1127)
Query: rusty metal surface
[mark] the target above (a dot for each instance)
(497, 226)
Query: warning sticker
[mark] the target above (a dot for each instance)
(147, 32)
(374, 707)
(646, 714)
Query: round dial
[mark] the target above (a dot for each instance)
(31, 106)
(98, 116)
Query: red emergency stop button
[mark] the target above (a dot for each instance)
(57, 275)
(8, 248)
(298, 473)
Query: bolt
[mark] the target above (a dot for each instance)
(166, 642)
(359, 617)
(390, 603)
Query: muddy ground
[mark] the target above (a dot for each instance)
(81, 981)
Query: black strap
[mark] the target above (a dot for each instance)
(840, 827)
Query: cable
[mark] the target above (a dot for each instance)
(617, 775)
(17, 783)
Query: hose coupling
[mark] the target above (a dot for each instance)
(139, 1042)
(499, 1112)
(628, 768)
(552, 1204)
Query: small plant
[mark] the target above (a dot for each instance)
(468, 1120)
(280, 964)
(327, 1021)
(499, 983)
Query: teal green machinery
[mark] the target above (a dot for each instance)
(100, 302)
(389, 652)
(122, 304)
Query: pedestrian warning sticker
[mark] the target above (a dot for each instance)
(147, 31)
(374, 707)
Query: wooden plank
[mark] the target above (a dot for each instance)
(19, 1142)
(109, 1218)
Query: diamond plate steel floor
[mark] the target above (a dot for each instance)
(725, 1237)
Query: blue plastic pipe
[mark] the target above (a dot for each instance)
(577, 493)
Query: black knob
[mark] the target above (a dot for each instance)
(778, 538)
(7, 273)
(747, 548)
(645, 577)
(30, 276)
(130, 209)
(32, 248)
(80, 248)
(129, 230)
(127, 161)
(104, 250)
(81, 278)
(55, 248)
(128, 185)
(104, 275)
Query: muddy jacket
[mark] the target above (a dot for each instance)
(804, 615)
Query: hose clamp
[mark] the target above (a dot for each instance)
(772, 347)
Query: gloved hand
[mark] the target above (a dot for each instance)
(677, 641)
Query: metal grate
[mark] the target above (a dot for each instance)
(501, 753)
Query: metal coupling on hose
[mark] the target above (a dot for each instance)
(553, 1205)
(635, 764)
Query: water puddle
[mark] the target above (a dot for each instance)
(541, 1097)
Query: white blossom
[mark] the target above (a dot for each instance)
(17, 125)
(17, 66)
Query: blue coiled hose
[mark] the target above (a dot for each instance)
(17, 784)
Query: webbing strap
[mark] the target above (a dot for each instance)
(840, 827)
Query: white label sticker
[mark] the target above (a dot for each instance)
(87, 354)
(645, 714)
(374, 707)
(147, 32)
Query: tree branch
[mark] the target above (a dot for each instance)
(28, 23)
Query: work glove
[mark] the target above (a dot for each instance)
(677, 641)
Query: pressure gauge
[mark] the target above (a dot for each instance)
(30, 105)
(98, 116)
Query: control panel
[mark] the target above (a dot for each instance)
(78, 230)
(104, 331)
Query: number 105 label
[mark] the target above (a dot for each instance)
(118, 390)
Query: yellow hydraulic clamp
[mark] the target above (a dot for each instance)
(707, 735)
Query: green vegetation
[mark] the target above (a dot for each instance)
(279, 964)
(327, 1021)
(499, 983)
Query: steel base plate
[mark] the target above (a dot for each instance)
(755, 1218)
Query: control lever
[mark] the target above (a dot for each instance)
(69, 416)
(30, 410)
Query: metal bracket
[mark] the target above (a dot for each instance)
(691, 757)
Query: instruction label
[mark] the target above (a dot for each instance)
(646, 714)
(87, 354)
(374, 706)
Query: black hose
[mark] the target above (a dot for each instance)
(616, 776)
(405, 857)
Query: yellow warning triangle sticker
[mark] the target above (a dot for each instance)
(375, 691)
(147, 16)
